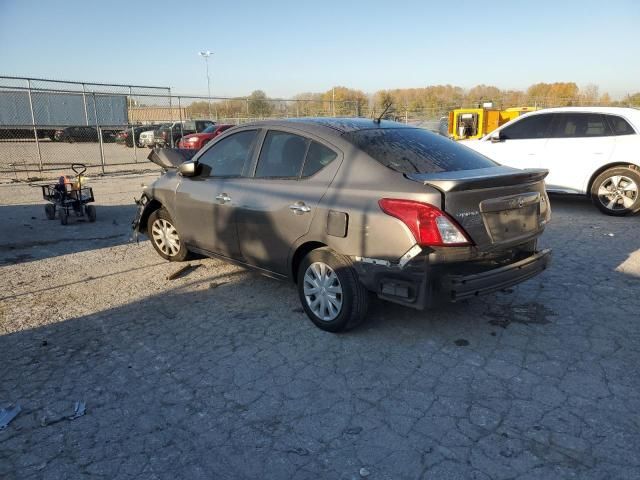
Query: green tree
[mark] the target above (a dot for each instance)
(259, 104)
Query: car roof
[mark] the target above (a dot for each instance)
(329, 124)
(610, 110)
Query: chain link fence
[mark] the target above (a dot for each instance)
(47, 125)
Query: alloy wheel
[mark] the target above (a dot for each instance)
(322, 291)
(618, 192)
(165, 236)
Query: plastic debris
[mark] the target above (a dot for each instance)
(610, 234)
(79, 410)
(7, 415)
(364, 472)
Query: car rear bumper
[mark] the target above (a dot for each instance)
(459, 287)
(421, 285)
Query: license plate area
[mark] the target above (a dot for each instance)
(508, 218)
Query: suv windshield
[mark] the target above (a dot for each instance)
(414, 150)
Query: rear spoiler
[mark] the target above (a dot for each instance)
(491, 177)
(169, 158)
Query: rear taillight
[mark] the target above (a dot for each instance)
(430, 226)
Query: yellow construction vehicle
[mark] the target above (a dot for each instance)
(470, 123)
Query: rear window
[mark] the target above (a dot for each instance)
(620, 125)
(413, 150)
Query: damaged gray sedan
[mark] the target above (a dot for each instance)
(346, 208)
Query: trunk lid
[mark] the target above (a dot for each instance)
(497, 206)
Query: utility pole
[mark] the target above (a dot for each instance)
(206, 55)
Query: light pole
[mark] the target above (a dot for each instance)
(206, 56)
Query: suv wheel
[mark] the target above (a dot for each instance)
(617, 191)
(165, 237)
(330, 292)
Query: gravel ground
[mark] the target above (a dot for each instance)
(218, 374)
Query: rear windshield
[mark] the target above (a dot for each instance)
(414, 150)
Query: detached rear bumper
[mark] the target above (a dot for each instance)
(459, 287)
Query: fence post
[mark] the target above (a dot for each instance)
(133, 131)
(99, 130)
(180, 113)
(33, 122)
(84, 104)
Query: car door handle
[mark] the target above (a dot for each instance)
(299, 208)
(223, 198)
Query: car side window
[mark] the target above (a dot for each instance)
(228, 157)
(534, 126)
(318, 157)
(580, 125)
(281, 156)
(619, 125)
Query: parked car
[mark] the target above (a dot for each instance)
(168, 135)
(344, 207)
(592, 151)
(131, 134)
(195, 141)
(147, 137)
(83, 134)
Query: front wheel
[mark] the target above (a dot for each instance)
(165, 238)
(90, 210)
(617, 191)
(330, 292)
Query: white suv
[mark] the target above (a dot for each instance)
(587, 150)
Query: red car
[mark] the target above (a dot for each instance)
(196, 141)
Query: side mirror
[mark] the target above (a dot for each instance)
(188, 169)
(495, 137)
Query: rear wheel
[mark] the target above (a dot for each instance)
(330, 292)
(64, 216)
(50, 211)
(617, 191)
(165, 238)
(90, 210)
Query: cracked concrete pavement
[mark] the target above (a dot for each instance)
(219, 374)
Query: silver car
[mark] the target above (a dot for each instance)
(346, 208)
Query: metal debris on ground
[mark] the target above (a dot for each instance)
(181, 271)
(7, 415)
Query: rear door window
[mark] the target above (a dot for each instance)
(619, 125)
(281, 156)
(228, 157)
(580, 125)
(535, 126)
(414, 150)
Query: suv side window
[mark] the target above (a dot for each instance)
(535, 126)
(619, 125)
(318, 157)
(228, 157)
(281, 156)
(580, 125)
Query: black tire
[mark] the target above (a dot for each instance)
(626, 190)
(90, 210)
(162, 215)
(64, 216)
(50, 211)
(354, 296)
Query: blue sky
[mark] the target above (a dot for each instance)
(286, 48)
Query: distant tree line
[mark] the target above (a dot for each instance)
(434, 100)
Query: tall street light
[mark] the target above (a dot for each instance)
(206, 56)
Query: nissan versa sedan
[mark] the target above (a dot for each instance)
(346, 208)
